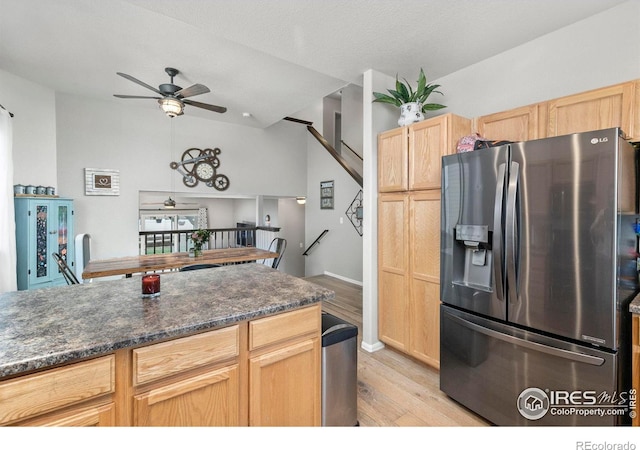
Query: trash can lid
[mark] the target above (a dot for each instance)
(336, 330)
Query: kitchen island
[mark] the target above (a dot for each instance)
(219, 346)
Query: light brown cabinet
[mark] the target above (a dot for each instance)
(393, 160)
(393, 270)
(196, 381)
(285, 369)
(424, 277)
(260, 372)
(64, 395)
(409, 235)
(613, 106)
(607, 107)
(519, 124)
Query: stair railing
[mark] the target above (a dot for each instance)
(316, 242)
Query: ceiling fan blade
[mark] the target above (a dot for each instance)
(141, 83)
(190, 91)
(134, 96)
(214, 108)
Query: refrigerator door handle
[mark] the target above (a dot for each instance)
(497, 233)
(510, 231)
(566, 354)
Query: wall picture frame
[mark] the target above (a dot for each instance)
(326, 194)
(101, 181)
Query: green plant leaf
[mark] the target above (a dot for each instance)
(404, 93)
(422, 83)
(384, 98)
(432, 107)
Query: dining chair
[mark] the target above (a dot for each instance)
(67, 273)
(277, 245)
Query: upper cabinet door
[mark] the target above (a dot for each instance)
(429, 141)
(519, 124)
(594, 110)
(393, 160)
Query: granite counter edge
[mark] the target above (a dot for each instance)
(100, 349)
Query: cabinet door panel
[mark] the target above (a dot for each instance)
(392, 160)
(278, 395)
(425, 235)
(96, 416)
(593, 110)
(519, 124)
(211, 399)
(425, 322)
(393, 269)
(427, 143)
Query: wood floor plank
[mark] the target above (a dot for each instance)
(393, 389)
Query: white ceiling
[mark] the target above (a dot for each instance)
(270, 58)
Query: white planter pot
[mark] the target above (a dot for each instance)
(410, 113)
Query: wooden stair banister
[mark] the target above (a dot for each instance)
(338, 157)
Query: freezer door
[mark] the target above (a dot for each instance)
(471, 257)
(561, 244)
(513, 377)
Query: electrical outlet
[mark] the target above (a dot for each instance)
(341, 220)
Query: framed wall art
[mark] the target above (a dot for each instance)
(101, 182)
(326, 194)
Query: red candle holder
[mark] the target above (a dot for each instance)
(150, 285)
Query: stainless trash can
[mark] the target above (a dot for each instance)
(339, 372)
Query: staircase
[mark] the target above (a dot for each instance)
(353, 164)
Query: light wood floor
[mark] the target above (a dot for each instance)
(393, 390)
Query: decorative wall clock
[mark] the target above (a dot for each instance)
(201, 165)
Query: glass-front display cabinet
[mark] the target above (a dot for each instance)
(44, 226)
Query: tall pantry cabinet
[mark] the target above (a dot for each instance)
(44, 225)
(409, 168)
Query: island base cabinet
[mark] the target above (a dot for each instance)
(95, 416)
(278, 395)
(210, 399)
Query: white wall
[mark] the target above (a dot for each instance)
(102, 134)
(340, 252)
(593, 53)
(34, 129)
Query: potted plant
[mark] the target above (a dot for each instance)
(412, 103)
(199, 237)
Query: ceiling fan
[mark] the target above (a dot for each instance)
(169, 203)
(173, 98)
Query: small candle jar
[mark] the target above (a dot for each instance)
(150, 285)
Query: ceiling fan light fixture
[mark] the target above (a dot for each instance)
(172, 107)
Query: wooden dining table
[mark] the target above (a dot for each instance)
(130, 265)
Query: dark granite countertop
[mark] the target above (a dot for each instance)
(634, 306)
(47, 327)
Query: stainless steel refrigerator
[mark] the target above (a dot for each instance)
(538, 266)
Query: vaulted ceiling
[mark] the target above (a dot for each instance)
(268, 58)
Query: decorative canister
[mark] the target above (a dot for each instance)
(18, 189)
(30, 189)
(51, 190)
(41, 190)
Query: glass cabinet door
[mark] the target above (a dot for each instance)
(42, 240)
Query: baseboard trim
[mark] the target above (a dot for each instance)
(340, 277)
(372, 347)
